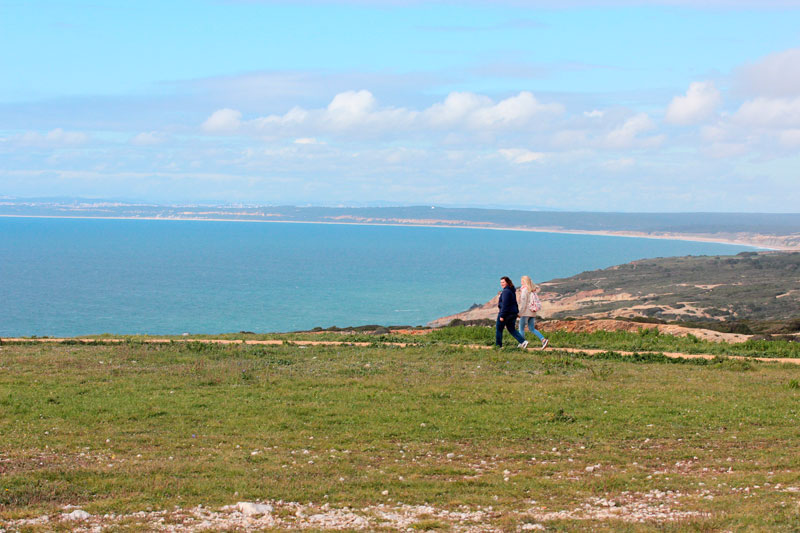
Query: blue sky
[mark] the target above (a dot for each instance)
(580, 105)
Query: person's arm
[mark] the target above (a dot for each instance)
(524, 296)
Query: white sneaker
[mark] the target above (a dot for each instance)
(523, 345)
(544, 344)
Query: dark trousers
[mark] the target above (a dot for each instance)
(509, 322)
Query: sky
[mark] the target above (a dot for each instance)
(572, 105)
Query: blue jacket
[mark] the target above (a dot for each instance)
(508, 302)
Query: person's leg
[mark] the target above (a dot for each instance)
(511, 322)
(532, 327)
(498, 336)
(538, 334)
(522, 321)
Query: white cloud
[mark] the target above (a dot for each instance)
(56, 137)
(306, 140)
(59, 136)
(627, 135)
(726, 150)
(353, 103)
(520, 156)
(455, 108)
(770, 113)
(222, 121)
(699, 103)
(149, 138)
(776, 75)
(619, 164)
(569, 138)
(515, 111)
(714, 133)
(358, 113)
(350, 108)
(595, 113)
(790, 138)
(294, 117)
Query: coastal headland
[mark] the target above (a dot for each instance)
(731, 297)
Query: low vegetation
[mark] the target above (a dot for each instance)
(645, 340)
(755, 292)
(505, 439)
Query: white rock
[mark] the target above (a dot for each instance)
(253, 509)
(77, 514)
(530, 527)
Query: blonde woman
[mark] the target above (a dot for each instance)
(526, 314)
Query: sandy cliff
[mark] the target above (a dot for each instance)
(489, 311)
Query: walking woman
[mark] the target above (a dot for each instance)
(527, 311)
(507, 316)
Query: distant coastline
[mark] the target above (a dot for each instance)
(769, 231)
(756, 240)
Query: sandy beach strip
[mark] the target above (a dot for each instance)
(756, 240)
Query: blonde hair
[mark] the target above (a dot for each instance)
(526, 282)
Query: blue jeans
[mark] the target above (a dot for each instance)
(509, 322)
(531, 321)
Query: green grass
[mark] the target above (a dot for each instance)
(124, 428)
(646, 340)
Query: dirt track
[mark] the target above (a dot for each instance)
(588, 351)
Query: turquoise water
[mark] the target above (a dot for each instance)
(66, 277)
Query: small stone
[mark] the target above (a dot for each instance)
(254, 509)
(77, 514)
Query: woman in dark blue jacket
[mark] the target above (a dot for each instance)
(507, 316)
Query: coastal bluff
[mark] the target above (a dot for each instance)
(748, 288)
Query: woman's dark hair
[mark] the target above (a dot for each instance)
(509, 283)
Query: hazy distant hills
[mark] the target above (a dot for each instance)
(760, 229)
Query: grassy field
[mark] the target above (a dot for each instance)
(450, 437)
(645, 340)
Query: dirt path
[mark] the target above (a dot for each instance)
(278, 342)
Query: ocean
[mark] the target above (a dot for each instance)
(69, 277)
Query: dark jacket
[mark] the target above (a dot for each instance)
(508, 302)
